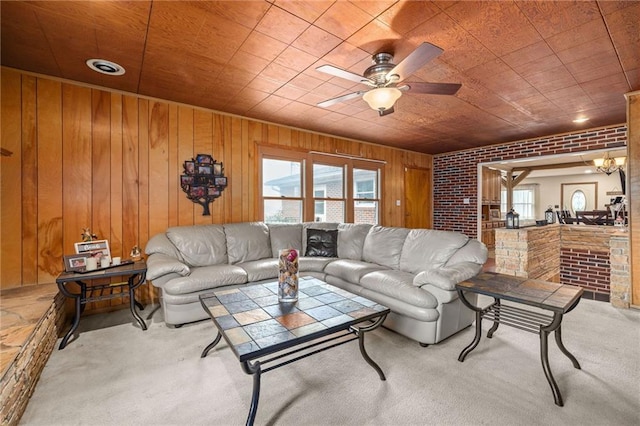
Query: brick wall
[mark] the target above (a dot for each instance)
(455, 174)
(586, 268)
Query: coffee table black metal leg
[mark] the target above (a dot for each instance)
(476, 338)
(255, 370)
(211, 345)
(544, 355)
(564, 350)
(363, 351)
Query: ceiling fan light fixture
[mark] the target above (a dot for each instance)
(382, 98)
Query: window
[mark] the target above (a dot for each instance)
(524, 201)
(282, 190)
(302, 187)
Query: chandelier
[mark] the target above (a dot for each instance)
(609, 165)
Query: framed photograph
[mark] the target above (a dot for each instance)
(213, 191)
(221, 181)
(198, 191)
(96, 248)
(186, 180)
(494, 214)
(205, 170)
(189, 167)
(75, 262)
(217, 169)
(204, 159)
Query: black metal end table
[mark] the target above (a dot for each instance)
(136, 273)
(557, 298)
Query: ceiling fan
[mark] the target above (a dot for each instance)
(383, 77)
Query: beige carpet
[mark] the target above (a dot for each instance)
(116, 374)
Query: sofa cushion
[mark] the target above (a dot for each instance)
(399, 285)
(429, 249)
(351, 270)
(351, 238)
(447, 277)
(262, 269)
(200, 245)
(159, 243)
(284, 236)
(322, 243)
(313, 264)
(383, 245)
(247, 241)
(206, 277)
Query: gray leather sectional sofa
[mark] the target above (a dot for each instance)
(412, 271)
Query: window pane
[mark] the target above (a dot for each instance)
(333, 211)
(281, 178)
(329, 177)
(366, 212)
(282, 211)
(365, 183)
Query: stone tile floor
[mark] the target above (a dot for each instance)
(20, 311)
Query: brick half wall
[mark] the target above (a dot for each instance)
(589, 269)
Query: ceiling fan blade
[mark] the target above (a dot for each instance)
(412, 63)
(432, 88)
(338, 72)
(333, 101)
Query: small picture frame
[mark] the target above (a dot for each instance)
(213, 191)
(186, 180)
(221, 181)
(198, 191)
(494, 214)
(204, 159)
(204, 170)
(189, 167)
(217, 169)
(96, 248)
(75, 262)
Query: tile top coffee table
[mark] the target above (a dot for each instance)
(265, 334)
(556, 298)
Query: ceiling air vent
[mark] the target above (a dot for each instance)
(105, 67)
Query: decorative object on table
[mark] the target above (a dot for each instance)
(494, 214)
(513, 220)
(87, 235)
(203, 181)
(288, 276)
(75, 262)
(135, 254)
(550, 215)
(94, 248)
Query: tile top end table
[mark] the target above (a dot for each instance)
(136, 273)
(557, 298)
(265, 334)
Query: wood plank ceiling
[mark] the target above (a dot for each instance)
(527, 68)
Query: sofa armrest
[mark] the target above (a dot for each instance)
(446, 278)
(159, 264)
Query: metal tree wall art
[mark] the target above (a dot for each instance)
(203, 180)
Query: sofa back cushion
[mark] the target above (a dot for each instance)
(159, 243)
(284, 236)
(200, 245)
(474, 251)
(351, 238)
(428, 249)
(247, 241)
(383, 245)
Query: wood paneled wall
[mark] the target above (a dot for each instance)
(86, 157)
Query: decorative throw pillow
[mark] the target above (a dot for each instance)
(322, 243)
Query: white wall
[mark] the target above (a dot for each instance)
(549, 189)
